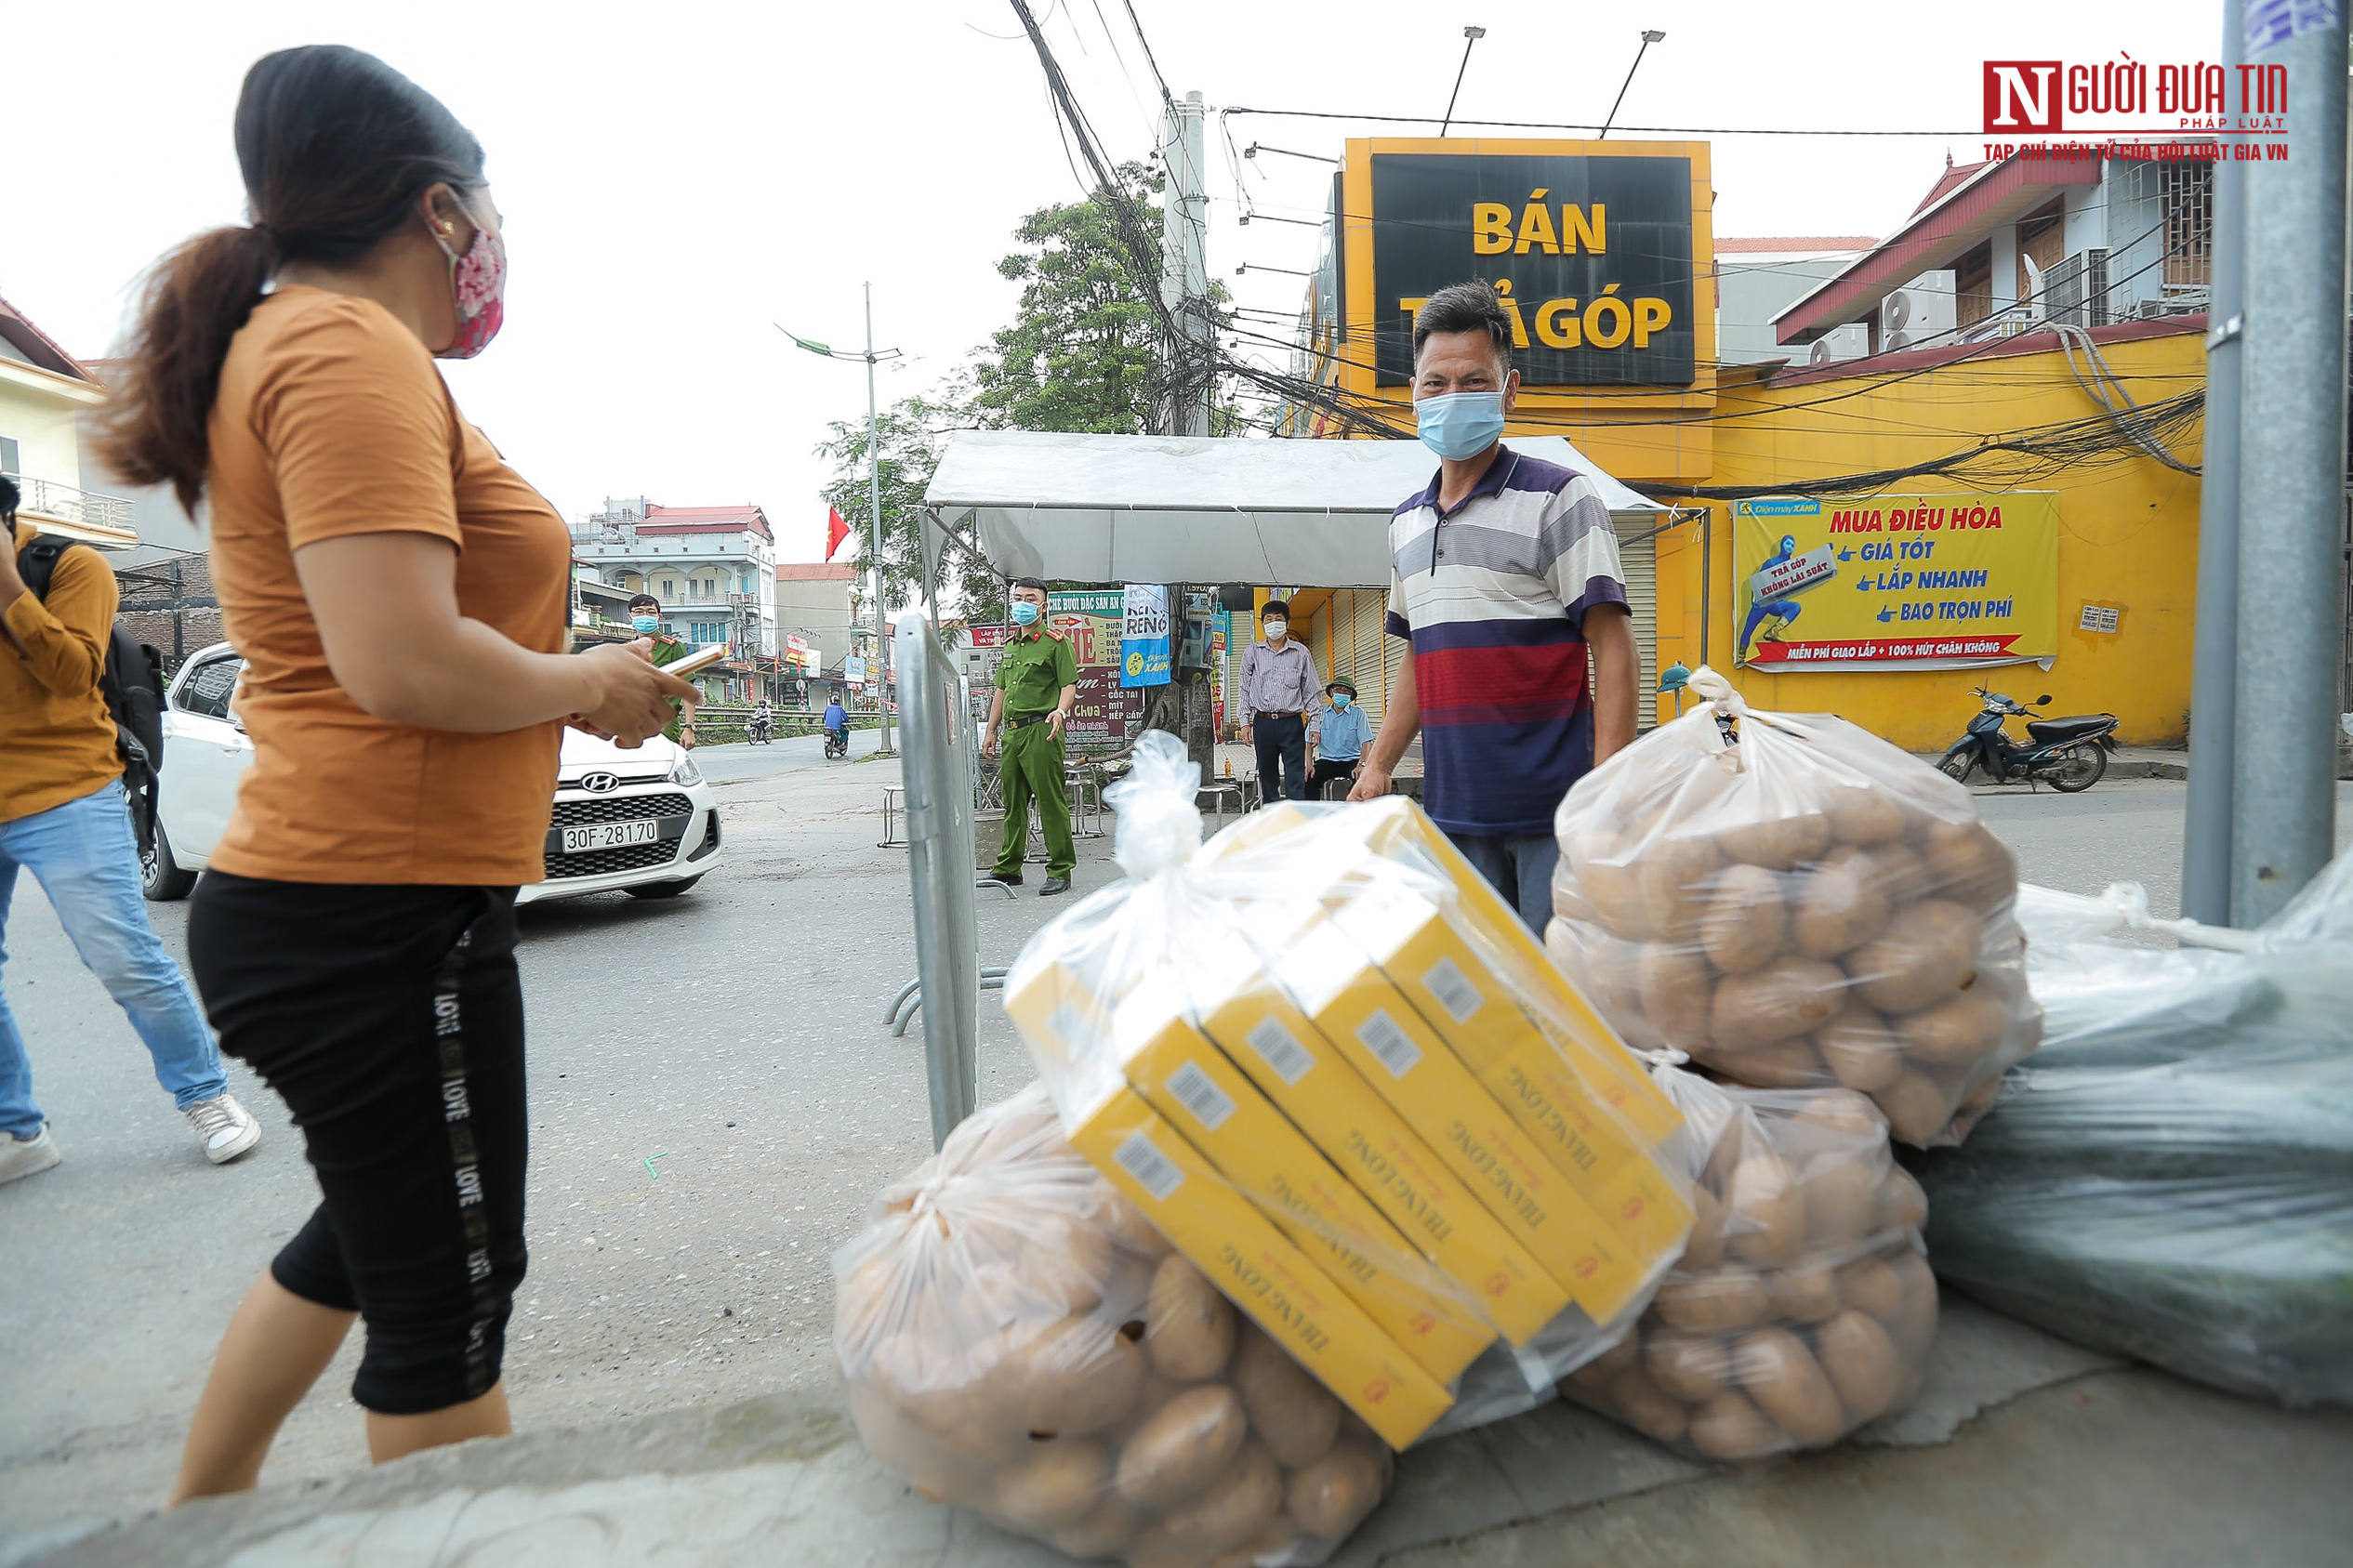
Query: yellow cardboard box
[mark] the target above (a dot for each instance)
(1057, 1011)
(1450, 983)
(1208, 1098)
(1394, 1048)
(1394, 823)
(1224, 1234)
(1264, 1031)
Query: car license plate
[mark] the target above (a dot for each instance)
(610, 836)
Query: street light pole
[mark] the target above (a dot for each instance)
(1649, 35)
(874, 493)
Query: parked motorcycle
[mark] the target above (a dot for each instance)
(2070, 755)
(837, 742)
(760, 730)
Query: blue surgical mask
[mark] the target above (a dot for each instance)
(646, 623)
(1339, 701)
(1459, 426)
(1025, 613)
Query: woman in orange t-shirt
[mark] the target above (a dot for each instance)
(399, 594)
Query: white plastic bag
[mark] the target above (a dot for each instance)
(2170, 1177)
(1794, 902)
(1015, 1338)
(1342, 1078)
(1803, 1308)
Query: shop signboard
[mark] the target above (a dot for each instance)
(1090, 618)
(1895, 582)
(853, 669)
(1591, 252)
(1105, 713)
(1144, 635)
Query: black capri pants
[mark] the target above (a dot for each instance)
(390, 1020)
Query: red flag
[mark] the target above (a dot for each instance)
(835, 530)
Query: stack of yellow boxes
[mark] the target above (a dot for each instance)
(1365, 1105)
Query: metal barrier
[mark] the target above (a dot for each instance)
(935, 710)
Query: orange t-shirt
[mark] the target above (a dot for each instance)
(332, 420)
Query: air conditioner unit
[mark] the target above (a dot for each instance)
(2075, 290)
(1849, 342)
(1919, 313)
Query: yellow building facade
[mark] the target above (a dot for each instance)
(2127, 524)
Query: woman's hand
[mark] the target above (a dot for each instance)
(629, 699)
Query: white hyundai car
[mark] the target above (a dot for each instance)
(643, 822)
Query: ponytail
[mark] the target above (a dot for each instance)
(155, 431)
(336, 148)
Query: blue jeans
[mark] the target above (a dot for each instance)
(87, 861)
(1519, 866)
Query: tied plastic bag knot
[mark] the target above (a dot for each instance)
(1159, 826)
(1722, 738)
(1665, 1056)
(1718, 691)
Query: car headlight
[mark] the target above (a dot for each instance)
(684, 771)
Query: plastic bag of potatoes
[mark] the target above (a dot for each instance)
(1016, 1338)
(1793, 902)
(1803, 1308)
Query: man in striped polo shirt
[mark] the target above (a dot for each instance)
(1504, 574)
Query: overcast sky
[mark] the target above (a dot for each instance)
(674, 176)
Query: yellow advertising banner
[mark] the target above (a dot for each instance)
(1895, 582)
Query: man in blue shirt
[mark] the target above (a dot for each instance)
(1338, 735)
(837, 717)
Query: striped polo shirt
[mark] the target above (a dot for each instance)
(1492, 596)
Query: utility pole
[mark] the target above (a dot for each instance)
(1184, 268)
(1182, 706)
(874, 494)
(2292, 475)
(2213, 694)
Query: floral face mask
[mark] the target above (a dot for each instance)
(478, 285)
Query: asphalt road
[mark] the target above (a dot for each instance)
(714, 1101)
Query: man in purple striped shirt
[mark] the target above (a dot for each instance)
(1505, 579)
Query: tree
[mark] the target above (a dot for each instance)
(1080, 354)
(912, 431)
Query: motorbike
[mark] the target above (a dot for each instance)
(837, 742)
(759, 731)
(2070, 755)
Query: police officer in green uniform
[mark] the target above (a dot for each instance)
(645, 618)
(1036, 687)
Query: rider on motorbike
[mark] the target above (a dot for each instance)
(837, 721)
(762, 721)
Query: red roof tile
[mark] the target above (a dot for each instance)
(705, 519)
(38, 346)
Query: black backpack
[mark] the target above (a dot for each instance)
(132, 684)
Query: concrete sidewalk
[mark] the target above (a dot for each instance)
(2021, 1449)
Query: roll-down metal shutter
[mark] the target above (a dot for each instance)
(1638, 559)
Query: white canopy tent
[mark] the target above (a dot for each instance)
(1193, 509)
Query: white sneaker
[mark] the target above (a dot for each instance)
(224, 1129)
(27, 1157)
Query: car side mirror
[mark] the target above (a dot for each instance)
(2042, 701)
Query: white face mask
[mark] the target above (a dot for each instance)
(1275, 630)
